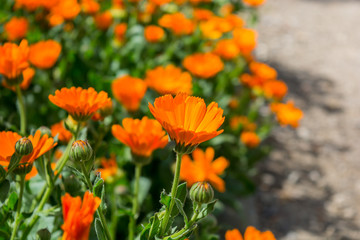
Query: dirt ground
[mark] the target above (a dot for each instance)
(310, 185)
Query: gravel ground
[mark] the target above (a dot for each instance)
(310, 185)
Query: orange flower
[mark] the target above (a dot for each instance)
(63, 134)
(109, 168)
(251, 233)
(252, 81)
(142, 136)
(153, 33)
(204, 168)
(203, 65)
(16, 28)
(13, 60)
(90, 6)
(160, 2)
(215, 27)
(64, 10)
(245, 39)
(287, 113)
(250, 139)
(244, 122)
(44, 54)
(80, 103)
(227, 49)
(233, 103)
(275, 89)
(169, 80)
(186, 119)
(263, 70)
(201, 14)
(119, 31)
(41, 144)
(129, 91)
(103, 20)
(78, 215)
(177, 23)
(254, 3)
(235, 21)
(28, 75)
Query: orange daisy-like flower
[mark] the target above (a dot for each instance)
(246, 39)
(187, 120)
(235, 21)
(227, 49)
(129, 91)
(215, 27)
(59, 129)
(80, 103)
(178, 23)
(203, 65)
(63, 10)
(153, 33)
(252, 81)
(201, 14)
(78, 215)
(90, 6)
(244, 122)
(263, 70)
(275, 89)
(13, 61)
(16, 28)
(142, 136)
(103, 20)
(169, 80)
(109, 168)
(119, 31)
(28, 75)
(254, 3)
(250, 139)
(204, 168)
(287, 113)
(44, 54)
(251, 233)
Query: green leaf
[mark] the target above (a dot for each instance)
(99, 230)
(4, 190)
(14, 161)
(181, 194)
(44, 234)
(155, 226)
(165, 199)
(206, 210)
(12, 200)
(145, 232)
(145, 185)
(98, 186)
(180, 207)
(2, 173)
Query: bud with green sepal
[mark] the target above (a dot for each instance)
(201, 192)
(23, 146)
(45, 131)
(81, 151)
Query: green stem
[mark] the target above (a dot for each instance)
(173, 194)
(114, 215)
(135, 203)
(18, 209)
(21, 110)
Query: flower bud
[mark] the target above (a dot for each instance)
(23, 168)
(201, 192)
(23, 146)
(45, 131)
(81, 151)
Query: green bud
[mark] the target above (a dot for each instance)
(45, 131)
(81, 151)
(23, 169)
(201, 192)
(23, 146)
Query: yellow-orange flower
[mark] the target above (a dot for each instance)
(129, 91)
(78, 215)
(287, 113)
(90, 6)
(250, 139)
(263, 70)
(13, 60)
(227, 49)
(252, 81)
(203, 65)
(59, 129)
(153, 33)
(63, 10)
(119, 31)
(186, 119)
(215, 27)
(142, 136)
(169, 80)
(177, 23)
(201, 14)
(235, 21)
(204, 168)
(109, 168)
(275, 89)
(28, 75)
(254, 3)
(251, 233)
(16, 28)
(246, 39)
(103, 20)
(80, 103)
(44, 54)
(244, 122)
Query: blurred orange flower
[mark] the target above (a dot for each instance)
(204, 168)
(90, 6)
(129, 91)
(252, 81)
(244, 122)
(109, 168)
(251, 233)
(153, 33)
(177, 23)
(78, 215)
(235, 21)
(16, 28)
(287, 113)
(201, 14)
(142, 136)
(215, 27)
(160, 2)
(63, 10)
(250, 139)
(275, 89)
(44, 54)
(186, 119)
(63, 134)
(32, 5)
(203, 65)
(246, 39)
(169, 80)
(227, 49)
(80, 103)
(254, 3)
(28, 75)
(263, 70)
(119, 31)
(103, 20)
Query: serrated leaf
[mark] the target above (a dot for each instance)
(98, 187)
(165, 199)
(12, 200)
(99, 230)
(4, 190)
(44, 234)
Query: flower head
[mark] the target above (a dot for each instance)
(246, 39)
(109, 168)
(103, 20)
(80, 103)
(78, 215)
(254, 3)
(243, 122)
(119, 31)
(203, 65)
(27, 76)
(16, 28)
(129, 91)
(63, 134)
(154, 33)
(44, 54)
(204, 168)
(250, 139)
(90, 6)
(275, 89)
(287, 113)
(63, 10)
(251, 233)
(215, 27)
(263, 71)
(227, 49)
(186, 119)
(177, 23)
(169, 80)
(201, 14)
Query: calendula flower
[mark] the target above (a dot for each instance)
(233, 103)
(246, 39)
(109, 168)
(44, 54)
(16, 28)
(119, 31)
(287, 113)
(227, 49)
(203, 65)
(169, 80)
(13, 61)
(103, 20)
(263, 70)
(63, 10)
(187, 120)
(201, 14)
(142, 136)
(243, 122)
(90, 6)
(251, 233)
(252, 81)
(153, 33)
(254, 3)
(215, 27)
(204, 168)
(129, 91)
(235, 21)
(27, 75)
(62, 133)
(250, 139)
(78, 215)
(80, 103)
(275, 89)
(177, 23)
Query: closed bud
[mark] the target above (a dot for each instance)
(45, 131)
(201, 192)
(81, 151)
(23, 146)
(23, 168)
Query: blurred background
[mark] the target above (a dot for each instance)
(310, 187)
